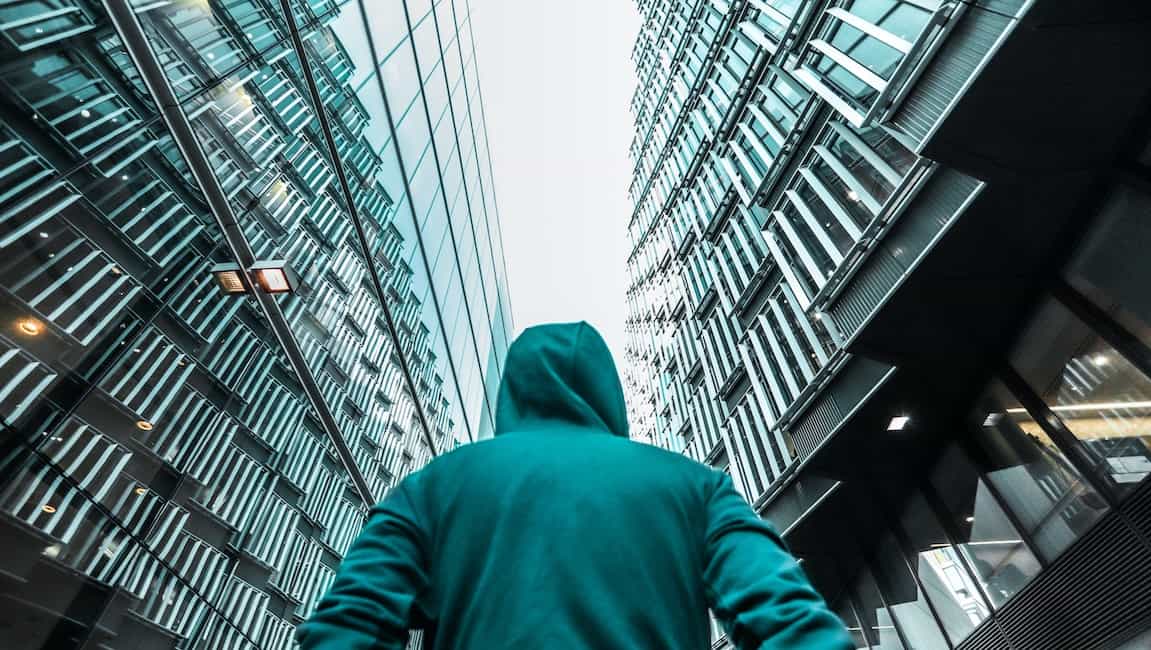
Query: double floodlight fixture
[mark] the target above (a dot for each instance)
(269, 276)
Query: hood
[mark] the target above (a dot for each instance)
(560, 375)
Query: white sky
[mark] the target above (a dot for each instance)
(557, 78)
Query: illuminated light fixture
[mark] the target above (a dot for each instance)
(143, 425)
(229, 278)
(85, 113)
(141, 490)
(275, 276)
(48, 508)
(52, 551)
(1096, 406)
(970, 519)
(43, 235)
(115, 270)
(852, 196)
(270, 276)
(1100, 360)
(30, 326)
(898, 422)
(992, 419)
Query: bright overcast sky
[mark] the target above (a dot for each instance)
(557, 77)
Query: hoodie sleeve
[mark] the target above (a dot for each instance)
(373, 599)
(756, 588)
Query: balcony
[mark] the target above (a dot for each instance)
(860, 56)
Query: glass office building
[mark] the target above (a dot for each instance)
(183, 467)
(888, 270)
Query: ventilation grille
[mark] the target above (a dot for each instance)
(845, 392)
(816, 425)
(986, 637)
(946, 73)
(1138, 509)
(866, 291)
(1007, 7)
(1096, 595)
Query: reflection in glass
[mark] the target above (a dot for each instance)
(164, 481)
(905, 600)
(988, 540)
(948, 585)
(878, 626)
(842, 608)
(1092, 390)
(1111, 264)
(1044, 491)
(858, 64)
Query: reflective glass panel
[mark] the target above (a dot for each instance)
(1112, 262)
(995, 550)
(1042, 488)
(944, 577)
(1093, 390)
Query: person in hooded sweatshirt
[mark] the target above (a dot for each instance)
(561, 533)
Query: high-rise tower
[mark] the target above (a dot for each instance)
(182, 466)
(886, 271)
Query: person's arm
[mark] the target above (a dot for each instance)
(374, 597)
(756, 588)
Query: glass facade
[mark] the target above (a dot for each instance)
(758, 192)
(772, 178)
(185, 468)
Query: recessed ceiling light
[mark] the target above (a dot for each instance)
(898, 422)
(992, 419)
(970, 519)
(141, 491)
(48, 508)
(1100, 360)
(143, 425)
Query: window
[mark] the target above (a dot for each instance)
(1092, 390)
(859, 50)
(905, 600)
(844, 185)
(1047, 495)
(949, 587)
(876, 621)
(1112, 263)
(989, 541)
(841, 605)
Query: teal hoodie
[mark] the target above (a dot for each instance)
(561, 533)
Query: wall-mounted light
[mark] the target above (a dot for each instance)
(275, 276)
(270, 276)
(229, 278)
(898, 422)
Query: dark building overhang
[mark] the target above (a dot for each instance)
(1025, 150)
